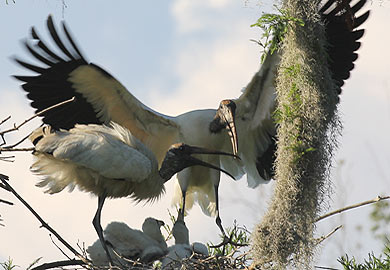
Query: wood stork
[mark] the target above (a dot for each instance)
(100, 98)
(107, 161)
(248, 119)
(129, 243)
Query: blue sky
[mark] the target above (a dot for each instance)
(177, 56)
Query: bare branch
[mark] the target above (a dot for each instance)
(7, 158)
(4, 179)
(17, 127)
(6, 202)
(338, 211)
(36, 115)
(17, 143)
(324, 267)
(6, 149)
(5, 120)
(322, 238)
(58, 264)
(55, 244)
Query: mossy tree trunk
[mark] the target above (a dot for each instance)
(307, 131)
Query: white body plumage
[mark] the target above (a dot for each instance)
(97, 159)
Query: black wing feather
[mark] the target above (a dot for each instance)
(56, 38)
(342, 36)
(51, 86)
(38, 56)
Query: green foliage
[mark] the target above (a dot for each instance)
(35, 262)
(8, 265)
(237, 234)
(274, 28)
(289, 112)
(167, 227)
(372, 263)
(380, 215)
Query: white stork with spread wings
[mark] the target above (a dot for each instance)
(100, 98)
(248, 119)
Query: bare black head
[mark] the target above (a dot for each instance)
(225, 119)
(179, 157)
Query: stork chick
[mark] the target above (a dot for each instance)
(145, 245)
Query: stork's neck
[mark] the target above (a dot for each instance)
(166, 172)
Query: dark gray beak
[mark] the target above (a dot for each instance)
(160, 222)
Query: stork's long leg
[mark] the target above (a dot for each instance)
(183, 207)
(218, 218)
(226, 240)
(98, 226)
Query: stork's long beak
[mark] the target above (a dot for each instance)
(228, 117)
(225, 118)
(199, 150)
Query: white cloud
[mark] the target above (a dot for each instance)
(193, 15)
(210, 71)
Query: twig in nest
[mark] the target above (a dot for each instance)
(4, 179)
(338, 211)
(54, 243)
(322, 238)
(58, 264)
(16, 127)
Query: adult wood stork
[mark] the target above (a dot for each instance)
(107, 161)
(145, 245)
(248, 119)
(100, 98)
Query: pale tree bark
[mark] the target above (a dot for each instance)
(307, 130)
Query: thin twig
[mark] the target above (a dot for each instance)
(5, 120)
(58, 264)
(7, 158)
(2, 185)
(6, 202)
(322, 238)
(4, 179)
(17, 143)
(325, 267)
(54, 243)
(36, 115)
(6, 149)
(377, 199)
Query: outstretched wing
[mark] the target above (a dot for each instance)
(100, 98)
(257, 102)
(342, 35)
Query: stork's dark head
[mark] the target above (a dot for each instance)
(179, 157)
(225, 119)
